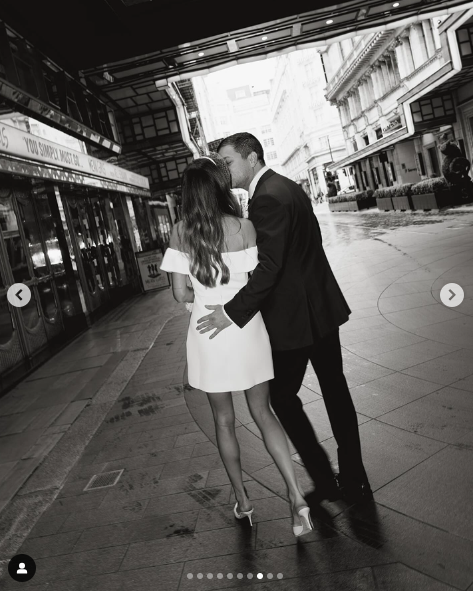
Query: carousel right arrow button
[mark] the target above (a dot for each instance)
(452, 295)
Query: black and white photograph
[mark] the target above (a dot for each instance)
(236, 295)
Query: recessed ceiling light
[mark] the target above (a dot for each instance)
(330, 21)
(264, 38)
(201, 54)
(396, 4)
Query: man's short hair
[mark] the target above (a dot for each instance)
(244, 143)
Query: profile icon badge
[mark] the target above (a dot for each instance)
(22, 568)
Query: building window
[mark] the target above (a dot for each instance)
(172, 169)
(393, 172)
(421, 163)
(375, 172)
(432, 108)
(366, 139)
(465, 41)
(434, 161)
(272, 155)
(149, 126)
(268, 142)
(379, 133)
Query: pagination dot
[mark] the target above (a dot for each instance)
(231, 575)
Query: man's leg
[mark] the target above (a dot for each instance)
(289, 370)
(326, 358)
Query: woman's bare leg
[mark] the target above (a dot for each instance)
(224, 416)
(275, 440)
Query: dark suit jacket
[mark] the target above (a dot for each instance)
(293, 285)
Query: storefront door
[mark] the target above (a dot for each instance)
(30, 255)
(122, 243)
(88, 248)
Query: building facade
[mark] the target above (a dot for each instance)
(307, 127)
(89, 176)
(226, 109)
(400, 93)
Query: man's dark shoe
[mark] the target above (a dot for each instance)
(356, 494)
(328, 493)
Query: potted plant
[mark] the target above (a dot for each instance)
(366, 199)
(401, 197)
(384, 198)
(355, 201)
(343, 202)
(433, 193)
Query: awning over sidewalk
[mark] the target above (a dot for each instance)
(382, 144)
(30, 155)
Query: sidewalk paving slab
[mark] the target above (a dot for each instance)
(169, 518)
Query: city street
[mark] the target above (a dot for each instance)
(115, 400)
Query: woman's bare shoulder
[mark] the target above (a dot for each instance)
(176, 236)
(249, 232)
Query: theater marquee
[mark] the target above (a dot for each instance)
(20, 144)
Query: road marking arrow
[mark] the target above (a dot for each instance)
(453, 294)
(19, 291)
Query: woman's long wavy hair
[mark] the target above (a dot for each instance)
(206, 199)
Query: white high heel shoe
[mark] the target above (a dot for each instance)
(307, 525)
(243, 514)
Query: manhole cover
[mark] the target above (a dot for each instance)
(104, 479)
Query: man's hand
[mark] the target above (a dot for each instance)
(217, 320)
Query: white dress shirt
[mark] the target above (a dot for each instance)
(254, 182)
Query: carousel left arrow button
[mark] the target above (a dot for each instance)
(18, 295)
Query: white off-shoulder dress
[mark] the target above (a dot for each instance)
(237, 358)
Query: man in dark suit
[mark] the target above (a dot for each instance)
(302, 306)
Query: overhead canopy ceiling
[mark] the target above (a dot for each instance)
(128, 51)
(157, 36)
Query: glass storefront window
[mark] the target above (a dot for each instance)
(106, 241)
(49, 233)
(48, 301)
(30, 312)
(6, 322)
(134, 225)
(123, 246)
(32, 235)
(142, 223)
(65, 296)
(13, 241)
(86, 243)
(61, 291)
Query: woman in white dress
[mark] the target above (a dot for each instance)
(216, 249)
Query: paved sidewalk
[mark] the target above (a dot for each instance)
(123, 406)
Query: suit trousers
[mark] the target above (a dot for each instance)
(289, 369)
